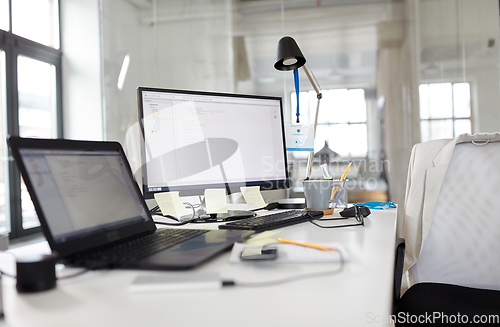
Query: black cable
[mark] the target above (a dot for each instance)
(339, 218)
(154, 210)
(75, 274)
(358, 214)
(288, 279)
(270, 206)
(64, 277)
(350, 225)
(171, 224)
(8, 275)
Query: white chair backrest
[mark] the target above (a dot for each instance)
(463, 245)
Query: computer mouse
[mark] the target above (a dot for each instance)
(351, 211)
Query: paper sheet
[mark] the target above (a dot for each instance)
(215, 200)
(253, 197)
(170, 204)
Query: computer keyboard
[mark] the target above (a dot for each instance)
(142, 247)
(273, 221)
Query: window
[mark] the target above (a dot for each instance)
(4, 222)
(341, 121)
(30, 86)
(445, 110)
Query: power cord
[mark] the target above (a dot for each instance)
(63, 277)
(3, 273)
(75, 274)
(156, 211)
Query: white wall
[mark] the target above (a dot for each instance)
(81, 70)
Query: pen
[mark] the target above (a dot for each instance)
(319, 247)
(334, 191)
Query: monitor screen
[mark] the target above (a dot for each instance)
(192, 141)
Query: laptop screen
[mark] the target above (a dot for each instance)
(82, 192)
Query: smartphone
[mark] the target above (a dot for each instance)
(253, 253)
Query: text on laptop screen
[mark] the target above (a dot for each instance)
(198, 140)
(82, 192)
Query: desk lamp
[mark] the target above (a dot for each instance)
(290, 57)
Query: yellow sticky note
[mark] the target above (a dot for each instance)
(170, 204)
(264, 238)
(253, 197)
(215, 200)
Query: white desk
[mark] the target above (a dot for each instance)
(360, 295)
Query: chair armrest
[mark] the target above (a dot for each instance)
(398, 270)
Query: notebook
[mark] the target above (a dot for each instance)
(93, 214)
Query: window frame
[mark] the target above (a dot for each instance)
(15, 46)
(340, 158)
(453, 118)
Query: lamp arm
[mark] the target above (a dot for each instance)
(319, 96)
(311, 154)
(314, 85)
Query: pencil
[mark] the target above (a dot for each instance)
(309, 245)
(335, 190)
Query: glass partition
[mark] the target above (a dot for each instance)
(384, 50)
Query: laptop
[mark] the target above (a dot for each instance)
(92, 212)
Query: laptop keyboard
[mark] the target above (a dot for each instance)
(141, 247)
(273, 221)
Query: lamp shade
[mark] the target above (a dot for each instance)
(289, 56)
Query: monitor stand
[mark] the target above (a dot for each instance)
(202, 214)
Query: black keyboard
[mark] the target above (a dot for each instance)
(273, 221)
(141, 247)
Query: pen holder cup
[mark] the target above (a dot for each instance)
(339, 195)
(318, 193)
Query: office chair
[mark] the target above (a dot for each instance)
(452, 232)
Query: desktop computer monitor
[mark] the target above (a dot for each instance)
(192, 141)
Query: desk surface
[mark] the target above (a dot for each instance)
(360, 295)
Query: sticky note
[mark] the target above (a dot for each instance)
(264, 238)
(253, 197)
(215, 200)
(170, 204)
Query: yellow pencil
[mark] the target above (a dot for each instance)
(335, 190)
(319, 247)
(345, 172)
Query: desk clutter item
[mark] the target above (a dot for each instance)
(273, 221)
(292, 203)
(351, 211)
(325, 212)
(253, 197)
(339, 195)
(317, 193)
(36, 273)
(291, 253)
(378, 205)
